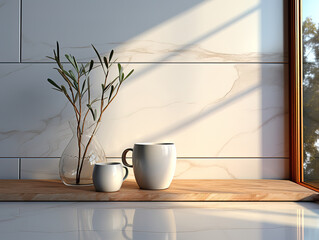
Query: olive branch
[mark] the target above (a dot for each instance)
(77, 89)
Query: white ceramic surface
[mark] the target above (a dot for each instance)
(153, 164)
(140, 220)
(158, 31)
(108, 177)
(9, 30)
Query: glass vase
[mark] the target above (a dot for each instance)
(78, 158)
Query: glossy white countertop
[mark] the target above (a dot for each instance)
(140, 220)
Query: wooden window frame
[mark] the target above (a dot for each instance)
(295, 90)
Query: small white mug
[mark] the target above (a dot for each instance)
(108, 177)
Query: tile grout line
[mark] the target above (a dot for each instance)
(20, 34)
(189, 157)
(159, 63)
(19, 169)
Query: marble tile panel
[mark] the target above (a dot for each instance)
(9, 30)
(9, 168)
(35, 120)
(209, 110)
(40, 168)
(233, 168)
(157, 31)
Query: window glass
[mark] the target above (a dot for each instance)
(310, 41)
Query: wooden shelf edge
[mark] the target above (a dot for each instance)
(179, 191)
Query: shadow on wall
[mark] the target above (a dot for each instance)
(219, 104)
(266, 102)
(154, 14)
(124, 19)
(157, 20)
(151, 18)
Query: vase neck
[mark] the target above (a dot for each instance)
(87, 131)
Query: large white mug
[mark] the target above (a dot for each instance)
(153, 164)
(108, 177)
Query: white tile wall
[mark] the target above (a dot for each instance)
(9, 168)
(40, 168)
(9, 30)
(224, 117)
(157, 31)
(208, 110)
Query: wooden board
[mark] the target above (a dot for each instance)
(180, 190)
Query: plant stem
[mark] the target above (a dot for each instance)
(95, 128)
(79, 135)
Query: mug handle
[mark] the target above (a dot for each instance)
(126, 173)
(124, 157)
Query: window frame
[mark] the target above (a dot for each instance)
(295, 98)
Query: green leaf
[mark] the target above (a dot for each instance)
(83, 93)
(120, 72)
(67, 57)
(50, 58)
(89, 91)
(98, 55)
(70, 58)
(129, 74)
(83, 86)
(110, 84)
(111, 55)
(58, 50)
(59, 90)
(91, 65)
(54, 53)
(95, 100)
(76, 85)
(95, 114)
(72, 75)
(53, 83)
(76, 97)
(105, 62)
(64, 90)
(91, 110)
(76, 64)
(111, 92)
(65, 72)
(82, 70)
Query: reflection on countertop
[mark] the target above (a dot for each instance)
(170, 220)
